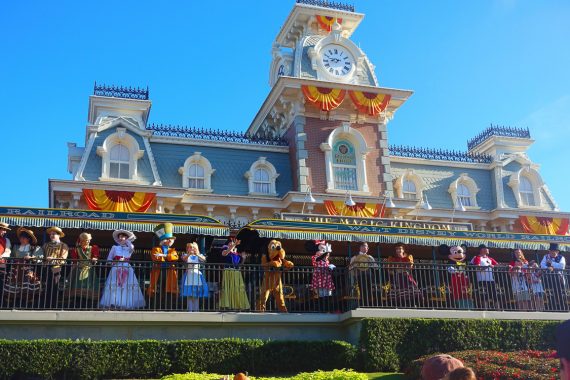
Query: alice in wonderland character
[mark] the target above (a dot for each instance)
(122, 289)
(233, 295)
(459, 283)
(164, 273)
(194, 285)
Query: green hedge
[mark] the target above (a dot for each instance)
(151, 359)
(387, 344)
(318, 375)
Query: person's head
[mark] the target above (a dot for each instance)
(518, 255)
(122, 238)
(4, 228)
(55, 233)
(438, 366)
(553, 250)
(533, 264)
(400, 250)
(364, 247)
(462, 373)
(167, 242)
(24, 239)
(84, 239)
(563, 349)
(192, 248)
(26, 236)
(483, 250)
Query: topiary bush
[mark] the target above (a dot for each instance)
(389, 343)
(495, 365)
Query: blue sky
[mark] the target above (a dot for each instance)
(469, 63)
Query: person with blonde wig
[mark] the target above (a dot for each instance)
(194, 285)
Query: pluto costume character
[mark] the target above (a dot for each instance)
(273, 263)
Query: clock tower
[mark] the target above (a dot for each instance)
(326, 101)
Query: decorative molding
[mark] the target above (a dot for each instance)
(121, 92)
(495, 130)
(409, 175)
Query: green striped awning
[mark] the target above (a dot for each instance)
(302, 230)
(108, 220)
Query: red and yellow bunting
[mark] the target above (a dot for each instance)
(362, 210)
(120, 201)
(327, 22)
(544, 225)
(370, 103)
(326, 99)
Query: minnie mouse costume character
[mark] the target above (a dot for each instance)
(322, 282)
(460, 285)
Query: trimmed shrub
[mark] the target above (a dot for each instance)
(150, 359)
(389, 343)
(494, 365)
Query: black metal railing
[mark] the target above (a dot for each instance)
(439, 154)
(143, 285)
(496, 130)
(212, 135)
(328, 4)
(121, 92)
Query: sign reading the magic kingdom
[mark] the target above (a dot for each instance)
(379, 222)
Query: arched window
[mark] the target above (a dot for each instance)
(526, 191)
(344, 166)
(463, 195)
(345, 161)
(261, 181)
(463, 192)
(119, 156)
(119, 161)
(197, 173)
(409, 190)
(261, 178)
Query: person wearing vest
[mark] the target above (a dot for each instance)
(164, 273)
(55, 256)
(554, 265)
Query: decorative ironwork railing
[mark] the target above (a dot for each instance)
(495, 130)
(212, 135)
(120, 92)
(328, 4)
(439, 154)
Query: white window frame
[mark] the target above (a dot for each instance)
(184, 171)
(262, 163)
(121, 137)
(345, 131)
(527, 194)
(412, 177)
(535, 181)
(468, 182)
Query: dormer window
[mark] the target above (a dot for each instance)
(119, 162)
(526, 192)
(409, 186)
(463, 192)
(409, 190)
(197, 173)
(261, 178)
(463, 195)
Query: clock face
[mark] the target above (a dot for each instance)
(337, 61)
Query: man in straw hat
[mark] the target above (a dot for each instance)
(55, 253)
(164, 274)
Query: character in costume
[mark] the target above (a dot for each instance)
(83, 280)
(486, 290)
(164, 274)
(361, 276)
(322, 282)
(23, 283)
(459, 283)
(554, 264)
(404, 285)
(273, 263)
(194, 285)
(518, 272)
(122, 289)
(233, 295)
(5, 245)
(55, 256)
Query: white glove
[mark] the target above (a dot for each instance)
(332, 266)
